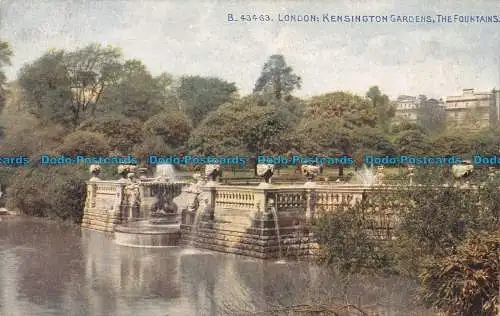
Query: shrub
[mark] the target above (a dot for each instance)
(152, 145)
(121, 133)
(439, 218)
(84, 143)
(428, 223)
(28, 139)
(467, 282)
(49, 191)
(173, 127)
(345, 241)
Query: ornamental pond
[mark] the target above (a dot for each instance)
(51, 269)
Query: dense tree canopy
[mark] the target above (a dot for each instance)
(122, 133)
(277, 78)
(62, 87)
(173, 126)
(431, 116)
(201, 95)
(332, 120)
(5, 55)
(251, 124)
(382, 105)
(136, 93)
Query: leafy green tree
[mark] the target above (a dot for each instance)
(174, 127)
(406, 126)
(29, 138)
(413, 142)
(431, 116)
(122, 133)
(381, 103)
(29, 188)
(62, 87)
(371, 140)
(136, 93)
(201, 95)
(46, 88)
(5, 55)
(84, 143)
(331, 122)
(486, 141)
(346, 243)
(453, 143)
(246, 126)
(277, 78)
(152, 144)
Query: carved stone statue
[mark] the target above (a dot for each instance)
(212, 171)
(133, 195)
(265, 171)
(270, 210)
(310, 171)
(208, 214)
(163, 211)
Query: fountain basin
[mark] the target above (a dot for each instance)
(169, 218)
(146, 234)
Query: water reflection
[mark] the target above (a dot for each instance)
(49, 269)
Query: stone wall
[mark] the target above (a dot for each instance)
(265, 221)
(104, 205)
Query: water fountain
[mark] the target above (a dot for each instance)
(209, 215)
(272, 210)
(366, 177)
(165, 172)
(195, 201)
(153, 220)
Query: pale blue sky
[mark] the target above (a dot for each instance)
(194, 37)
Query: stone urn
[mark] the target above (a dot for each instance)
(95, 171)
(123, 171)
(266, 172)
(463, 170)
(211, 172)
(310, 171)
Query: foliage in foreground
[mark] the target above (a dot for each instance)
(467, 282)
(57, 192)
(435, 235)
(346, 244)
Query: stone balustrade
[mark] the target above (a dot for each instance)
(289, 198)
(295, 205)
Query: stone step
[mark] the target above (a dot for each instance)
(261, 236)
(252, 253)
(216, 236)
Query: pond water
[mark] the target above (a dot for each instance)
(51, 269)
